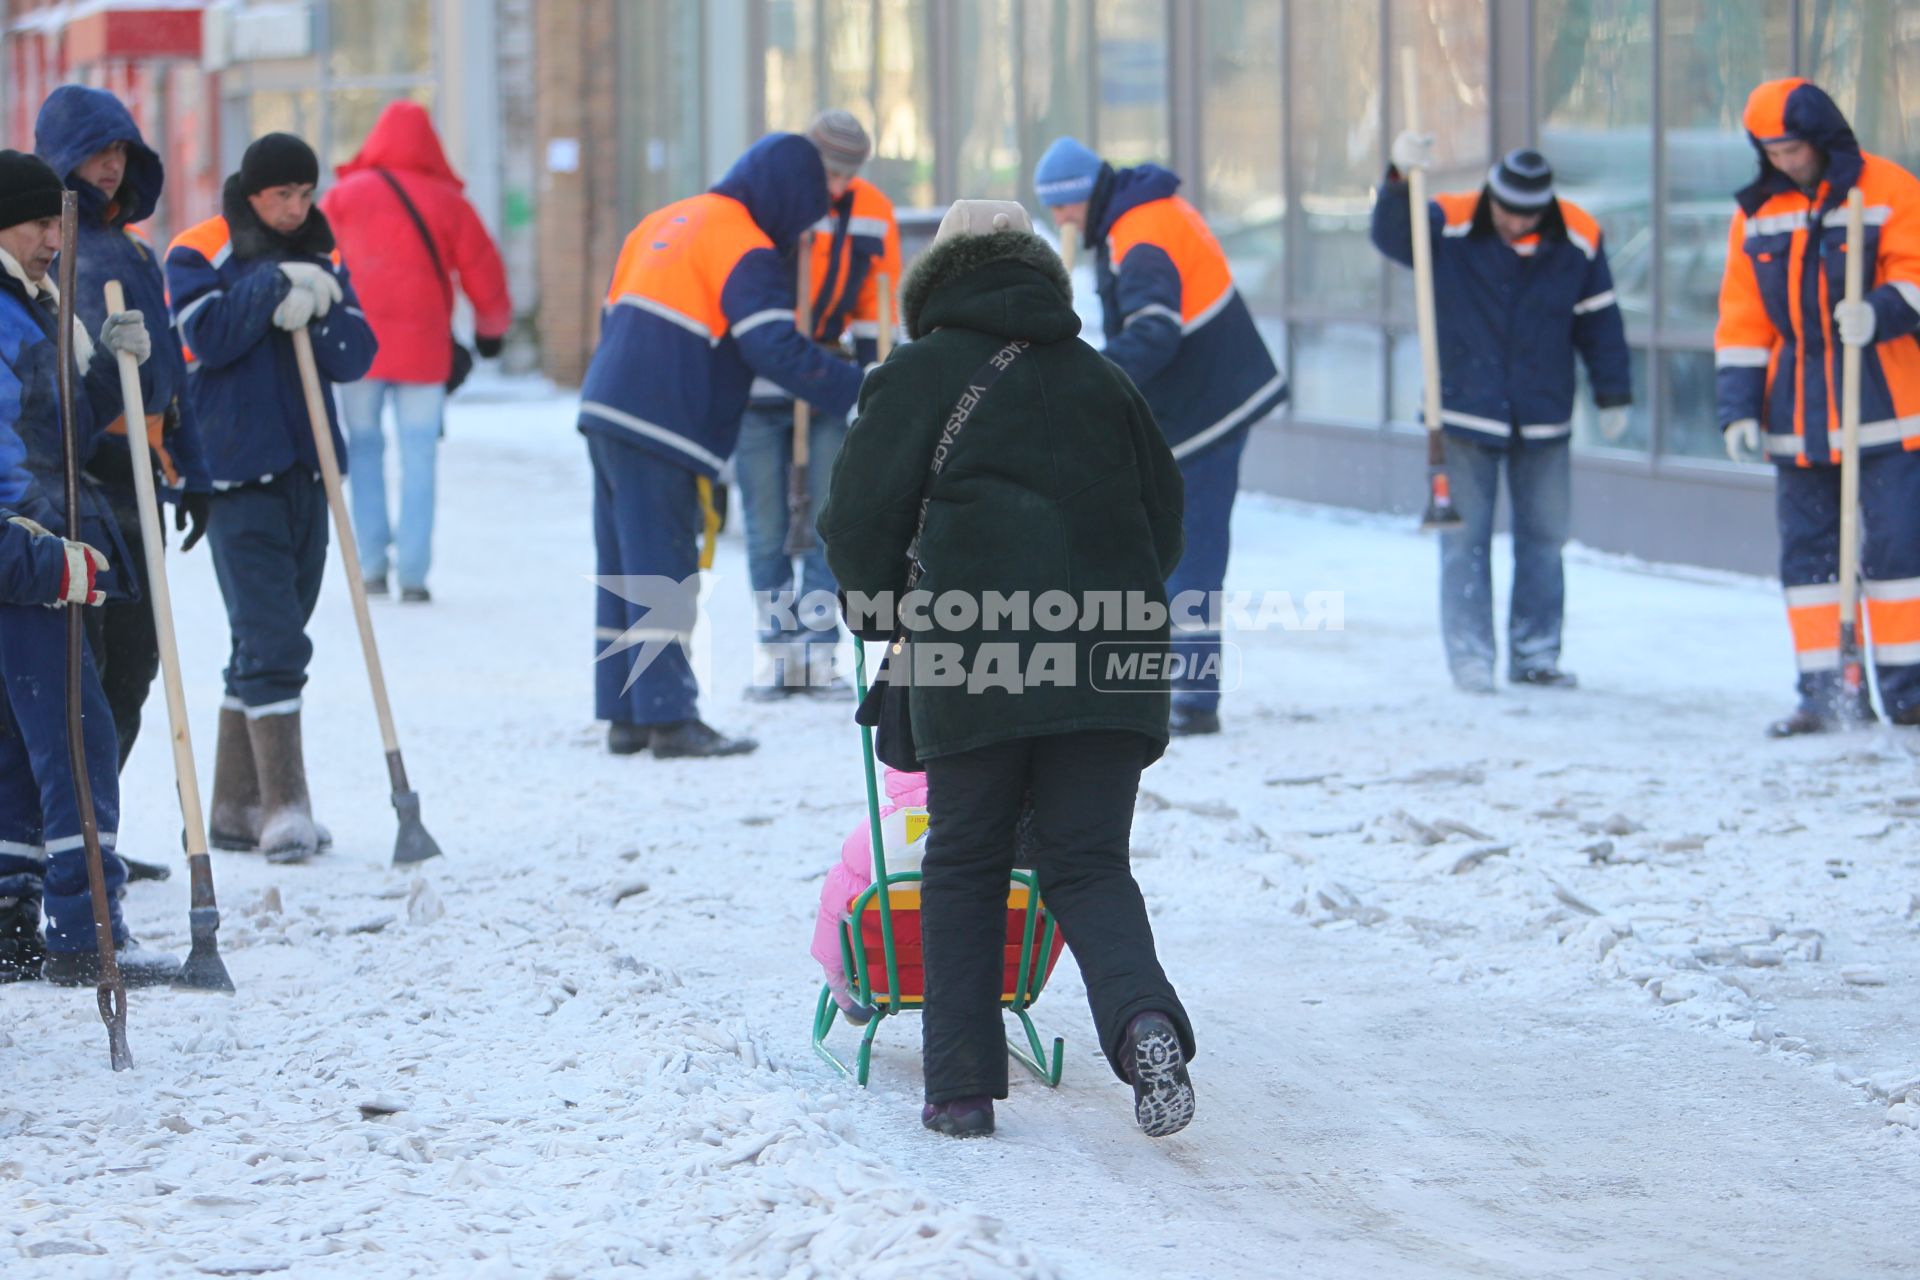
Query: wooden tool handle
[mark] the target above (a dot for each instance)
(1423, 308)
(158, 593)
(343, 531)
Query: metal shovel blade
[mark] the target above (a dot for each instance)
(800, 537)
(204, 970)
(412, 843)
(1438, 519)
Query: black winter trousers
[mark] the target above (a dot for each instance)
(126, 648)
(1083, 787)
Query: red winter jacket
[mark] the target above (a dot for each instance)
(408, 304)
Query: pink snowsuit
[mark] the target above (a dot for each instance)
(855, 872)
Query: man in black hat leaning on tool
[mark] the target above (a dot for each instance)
(1521, 286)
(41, 849)
(241, 284)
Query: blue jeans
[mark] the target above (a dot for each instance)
(417, 408)
(1539, 488)
(762, 462)
(1212, 479)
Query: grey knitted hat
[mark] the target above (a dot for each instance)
(844, 145)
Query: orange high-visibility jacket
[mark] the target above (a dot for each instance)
(852, 247)
(1776, 349)
(701, 301)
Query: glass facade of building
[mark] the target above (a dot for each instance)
(1278, 113)
(360, 55)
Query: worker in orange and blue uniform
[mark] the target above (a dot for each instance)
(1180, 329)
(242, 284)
(1522, 287)
(702, 300)
(851, 248)
(1783, 324)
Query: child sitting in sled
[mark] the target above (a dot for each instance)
(903, 830)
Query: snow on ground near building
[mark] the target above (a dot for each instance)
(1545, 984)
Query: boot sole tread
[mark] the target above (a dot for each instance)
(1162, 1094)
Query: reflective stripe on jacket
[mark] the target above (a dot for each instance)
(852, 247)
(224, 278)
(1512, 318)
(1174, 320)
(702, 299)
(1776, 350)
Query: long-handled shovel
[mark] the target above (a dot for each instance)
(800, 538)
(1852, 674)
(1440, 514)
(111, 990)
(204, 970)
(412, 843)
(883, 341)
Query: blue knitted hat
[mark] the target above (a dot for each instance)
(1066, 173)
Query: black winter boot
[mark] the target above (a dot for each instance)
(1156, 1066)
(1543, 677)
(21, 949)
(1817, 716)
(694, 738)
(287, 831)
(139, 966)
(960, 1117)
(625, 739)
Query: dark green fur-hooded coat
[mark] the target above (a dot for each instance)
(1059, 481)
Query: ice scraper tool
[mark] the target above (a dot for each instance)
(412, 843)
(112, 991)
(204, 970)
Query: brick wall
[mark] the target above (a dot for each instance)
(578, 219)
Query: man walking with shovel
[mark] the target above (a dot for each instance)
(241, 284)
(1779, 351)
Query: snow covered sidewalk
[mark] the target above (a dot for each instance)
(1548, 984)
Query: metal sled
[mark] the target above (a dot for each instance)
(880, 946)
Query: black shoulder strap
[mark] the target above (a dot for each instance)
(971, 395)
(419, 224)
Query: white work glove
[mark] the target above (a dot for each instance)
(1743, 440)
(295, 309)
(316, 280)
(1614, 423)
(1856, 322)
(1412, 151)
(125, 333)
(83, 566)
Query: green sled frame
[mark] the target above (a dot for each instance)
(880, 991)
